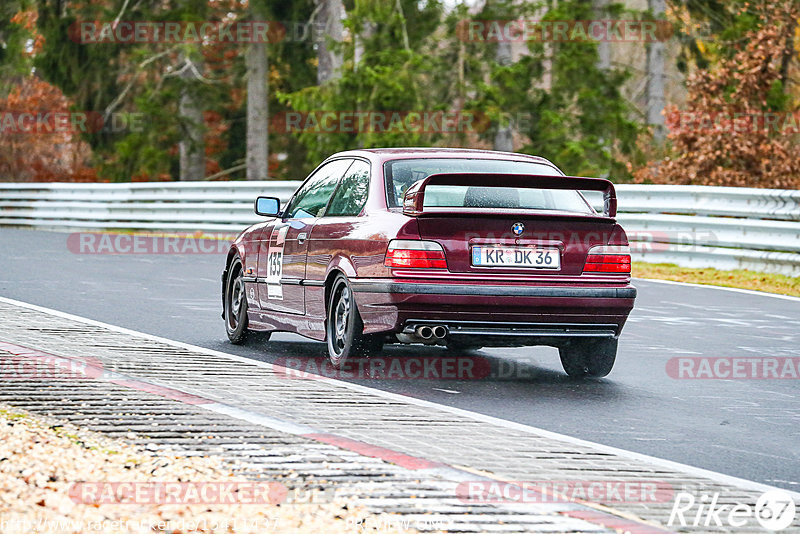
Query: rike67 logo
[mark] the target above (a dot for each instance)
(775, 510)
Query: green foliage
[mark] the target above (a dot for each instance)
(14, 38)
(389, 77)
(411, 58)
(716, 30)
(141, 152)
(136, 78)
(579, 120)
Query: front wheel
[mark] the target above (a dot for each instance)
(345, 329)
(588, 358)
(235, 304)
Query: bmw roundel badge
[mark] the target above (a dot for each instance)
(518, 228)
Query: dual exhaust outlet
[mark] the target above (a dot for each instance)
(431, 332)
(427, 334)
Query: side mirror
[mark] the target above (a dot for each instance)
(268, 206)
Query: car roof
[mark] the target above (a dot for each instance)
(385, 154)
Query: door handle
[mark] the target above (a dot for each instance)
(301, 237)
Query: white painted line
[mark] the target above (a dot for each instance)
(723, 288)
(258, 419)
(659, 462)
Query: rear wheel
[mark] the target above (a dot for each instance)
(588, 358)
(457, 345)
(345, 333)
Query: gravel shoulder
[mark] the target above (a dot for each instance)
(61, 479)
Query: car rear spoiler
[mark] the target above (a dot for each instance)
(414, 199)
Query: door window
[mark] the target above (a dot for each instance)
(313, 196)
(351, 195)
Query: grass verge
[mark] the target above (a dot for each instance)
(766, 282)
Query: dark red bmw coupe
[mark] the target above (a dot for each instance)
(463, 248)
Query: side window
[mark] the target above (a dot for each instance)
(351, 196)
(313, 196)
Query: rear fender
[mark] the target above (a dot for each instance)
(410, 230)
(341, 264)
(618, 236)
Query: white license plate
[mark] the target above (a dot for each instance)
(516, 257)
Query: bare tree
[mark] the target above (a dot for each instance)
(257, 159)
(192, 145)
(603, 46)
(656, 76)
(367, 31)
(328, 29)
(504, 138)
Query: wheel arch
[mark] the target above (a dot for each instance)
(232, 253)
(332, 275)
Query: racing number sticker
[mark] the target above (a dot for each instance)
(275, 263)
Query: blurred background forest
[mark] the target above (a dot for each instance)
(632, 111)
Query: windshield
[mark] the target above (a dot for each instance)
(402, 174)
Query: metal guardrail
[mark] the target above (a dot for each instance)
(708, 226)
(697, 226)
(174, 206)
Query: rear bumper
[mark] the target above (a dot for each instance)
(418, 288)
(522, 312)
(506, 329)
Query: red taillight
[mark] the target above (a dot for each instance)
(410, 254)
(608, 259)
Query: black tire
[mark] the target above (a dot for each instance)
(345, 329)
(235, 308)
(456, 345)
(588, 358)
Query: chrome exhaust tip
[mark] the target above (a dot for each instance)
(439, 331)
(425, 332)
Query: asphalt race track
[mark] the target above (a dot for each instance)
(745, 428)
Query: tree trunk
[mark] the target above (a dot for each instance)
(328, 29)
(786, 60)
(367, 31)
(257, 112)
(603, 46)
(656, 77)
(192, 144)
(504, 138)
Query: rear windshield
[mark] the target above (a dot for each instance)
(403, 173)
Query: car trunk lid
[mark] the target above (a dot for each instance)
(496, 224)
